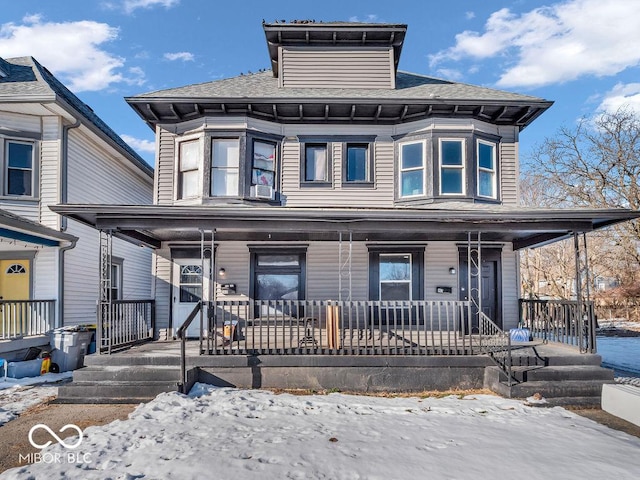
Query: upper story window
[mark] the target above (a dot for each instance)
(19, 168)
(439, 166)
(487, 178)
(452, 167)
(316, 163)
(225, 164)
(412, 169)
(189, 160)
(358, 163)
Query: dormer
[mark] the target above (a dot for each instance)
(306, 54)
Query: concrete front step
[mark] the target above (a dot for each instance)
(110, 391)
(134, 373)
(568, 372)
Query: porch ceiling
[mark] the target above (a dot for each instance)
(150, 225)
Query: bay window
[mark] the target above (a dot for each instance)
(264, 164)
(225, 164)
(486, 154)
(412, 169)
(452, 167)
(189, 160)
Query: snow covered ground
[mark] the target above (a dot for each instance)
(19, 394)
(224, 433)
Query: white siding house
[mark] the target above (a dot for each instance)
(53, 150)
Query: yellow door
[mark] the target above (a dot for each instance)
(14, 280)
(14, 285)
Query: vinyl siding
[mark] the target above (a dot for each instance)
(510, 288)
(308, 67)
(162, 287)
(45, 274)
(50, 170)
(110, 182)
(165, 168)
(509, 166)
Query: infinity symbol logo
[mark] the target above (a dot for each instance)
(53, 434)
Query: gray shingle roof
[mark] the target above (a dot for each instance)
(27, 78)
(409, 86)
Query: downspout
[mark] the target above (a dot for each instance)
(62, 199)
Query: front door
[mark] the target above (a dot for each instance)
(14, 285)
(489, 298)
(187, 292)
(14, 280)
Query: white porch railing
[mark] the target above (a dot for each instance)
(23, 318)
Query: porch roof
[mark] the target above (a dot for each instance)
(20, 229)
(150, 225)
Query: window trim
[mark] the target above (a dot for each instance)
(301, 270)
(401, 144)
(118, 263)
(369, 181)
(462, 167)
(328, 181)
(4, 153)
(494, 171)
(178, 171)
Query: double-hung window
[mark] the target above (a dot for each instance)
(395, 276)
(357, 163)
(486, 152)
(225, 164)
(189, 169)
(19, 168)
(316, 163)
(452, 166)
(412, 169)
(264, 164)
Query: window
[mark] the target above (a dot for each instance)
(452, 167)
(16, 269)
(412, 169)
(486, 169)
(316, 163)
(357, 163)
(395, 276)
(189, 170)
(190, 283)
(264, 164)
(278, 274)
(225, 163)
(19, 168)
(116, 281)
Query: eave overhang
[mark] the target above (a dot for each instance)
(150, 225)
(15, 228)
(163, 110)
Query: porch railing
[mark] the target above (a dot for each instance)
(340, 327)
(22, 318)
(124, 322)
(563, 321)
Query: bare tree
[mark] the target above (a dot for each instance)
(594, 164)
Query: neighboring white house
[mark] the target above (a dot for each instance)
(54, 149)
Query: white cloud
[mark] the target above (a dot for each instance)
(131, 5)
(184, 56)
(555, 44)
(469, 15)
(371, 18)
(78, 58)
(622, 96)
(450, 73)
(138, 144)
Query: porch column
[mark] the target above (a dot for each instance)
(105, 305)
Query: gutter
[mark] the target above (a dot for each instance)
(63, 193)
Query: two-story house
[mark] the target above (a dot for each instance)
(55, 149)
(334, 204)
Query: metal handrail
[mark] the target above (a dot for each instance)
(495, 340)
(182, 334)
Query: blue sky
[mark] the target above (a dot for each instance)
(582, 54)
